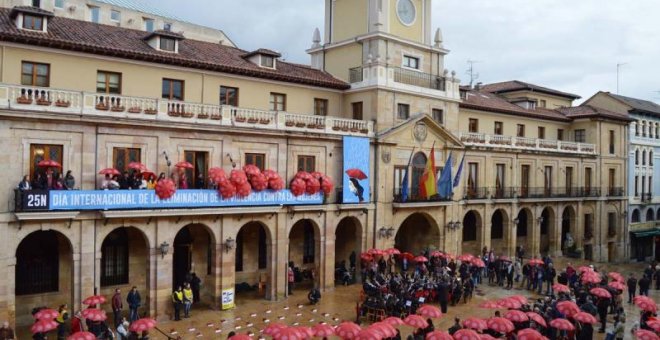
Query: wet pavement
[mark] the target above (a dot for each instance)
(253, 315)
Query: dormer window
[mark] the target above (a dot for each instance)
(33, 22)
(167, 44)
(30, 18)
(267, 61)
(263, 58)
(165, 41)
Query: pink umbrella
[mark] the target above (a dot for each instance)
(478, 263)
(500, 325)
(601, 292)
(509, 303)
(240, 337)
(288, 333)
(273, 328)
(562, 324)
(466, 334)
(142, 325)
(323, 330)
(429, 311)
(394, 321)
(584, 318)
(616, 276)
(184, 165)
(305, 332)
(82, 336)
(486, 337)
(537, 318)
(643, 334)
(591, 277)
(466, 257)
(617, 285)
(536, 262)
(94, 300)
(110, 171)
(43, 326)
(420, 259)
(356, 173)
(646, 303)
(94, 314)
(654, 324)
(438, 335)
(568, 308)
(529, 334)
(392, 251)
(516, 316)
(384, 328)
(560, 288)
(49, 163)
(415, 321)
(475, 323)
(376, 252)
(367, 334)
(46, 314)
(519, 298)
(137, 166)
(347, 330)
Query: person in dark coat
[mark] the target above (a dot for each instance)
(443, 296)
(134, 301)
(456, 327)
(603, 304)
(586, 332)
(644, 284)
(195, 285)
(632, 287)
(124, 181)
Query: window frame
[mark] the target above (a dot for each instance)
(541, 132)
(227, 99)
(47, 153)
(612, 146)
(498, 128)
(61, 2)
(267, 61)
(167, 41)
(94, 11)
(127, 157)
(253, 158)
(402, 111)
(107, 75)
(580, 135)
(560, 134)
(194, 157)
(171, 89)
(119, 262)
(358, 114)
(149, 24)
(473, 125)
(320, 107)
(303, 163)
(274, 101)
(34, 74)
(112, 13)
(520, 130)
(438, 115)
(37, 22)
(410, 62)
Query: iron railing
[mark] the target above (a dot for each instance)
(475, 193)
(414, 197)
(615, 191)
(416, 78)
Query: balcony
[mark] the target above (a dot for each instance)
(473, 193)
(416, 78)
(502, 193)
(413, 197)
(615, 192)
(646, 197)
(558, 192)
(95, 105)
(524, 143)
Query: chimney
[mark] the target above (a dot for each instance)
(478, 86)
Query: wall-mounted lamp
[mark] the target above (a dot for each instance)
(230, 243)
(390, 232)
(453, 225)
(384, 232)
(540, 220)
(625, 213)
(516, 221)
(164, 249)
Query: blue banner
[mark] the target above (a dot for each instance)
(356, 170)
(147, 199)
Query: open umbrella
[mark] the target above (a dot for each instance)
(486, 337)
(536, 262)
(384, 328)
(643, 334)
(568, 307)
(46, 314)
(466, 334)
(438, 335)
(519, 298)
(529, 334)
(585, 269)
(654, 324)
(43, 326)
(516, 316)
(184, 165)
(366, 257)
(617, 285)
(500, 325)
(591, 277)
(240, 337)
(347, 330)
(273, 328)
(504, 258)
(394, 321)
(616, 276)
(148, 174)
(560, 288)
(323, 330)
(509, 303)
(562, 324)
(490, 305)
(420, 259)
(478, 263)
(392, 251)
(465, 257)
(584, 317)
(367, 334)
(110, 171)
(376, 252)
(429, 311)
(537, 318)
(137, 166)
(416, 321)
(601, 292)
(475, 323)
(356, 173)
(305, 332)
(142, 325)
(82, 336)
(94, 300)
(407, 256)
(646, 303)
(94, 314)
(49, 163)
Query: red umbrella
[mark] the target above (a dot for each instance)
(585, 269)
(46, 314)
(165, 188)
(490, 305)
(82, 336)
(486, 337)
(500, 325)
(356, 173)
(420, 259)
(240, 337)
(251, 170)
(43, 326)
(147, 174)
(646, 303)
(110, 171)
(347, 330)
(394, 321)
(616, 276)
(385, 328)
(654, 324)
(416, 321)
(49, 163)
(585, 318)
(367, 334)
(305, 332)
(429, 311)
(591, 277)
(94, 300)
(142, 325)
(376, 252)
(94, 314)
(516, 316)
(466, 334)
(184, 165)
(323, 330)
(366, 257)
(562, 324)
(537, 318)
(475, 323)
(137, 166)
(478, 263)
(529, 334)
(217, 174)
(519, 298)
(438, 335)
(273, 328)
(509, 303)
(617, 285)
(407, 256)
(568, 307)
(504, 258)
(466, 257)
(560, 288)
(601, 292)
(643, 334)
(536, 262)
(392, 251)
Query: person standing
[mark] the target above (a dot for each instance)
(69, 181)
(177, 301)
(122, 330)
(77, 323)
(195, 284)
(25, 184)
(291, 277)
(187, 300)
(550, 274)
(632, 287)
(117, 306)
(62, 317)
(644, 284)
(6, 332)
(134, 300)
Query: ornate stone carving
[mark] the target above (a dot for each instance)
(386, 155)
(420, 131)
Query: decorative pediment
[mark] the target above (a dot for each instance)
(420, 130)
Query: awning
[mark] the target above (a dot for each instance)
(646, 233)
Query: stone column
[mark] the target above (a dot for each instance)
(510, 230)
(154, 255)
(7, 291)
(280, 261)
(535, 237)
(555, 237)
(486, 228)
(579, 228)
(328, 261)
(216, 271)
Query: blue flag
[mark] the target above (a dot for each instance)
(457, 179)
(404, 180)
(444, 183)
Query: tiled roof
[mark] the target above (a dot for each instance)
(105, 40)
(638, 104)
(588, 111)
(30, 10)
(516, 85)
(263, 51)
(485, 101)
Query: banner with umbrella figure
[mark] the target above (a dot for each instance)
(356, 167)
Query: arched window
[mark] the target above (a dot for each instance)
(636, 157)
(635, 216)
(644, 157)
(650, 216)
(418, 166)
(657, 214)
(114, 259)
(651, 158)
(657, 130)
(37, 264)
(644, 129)
(637, 129)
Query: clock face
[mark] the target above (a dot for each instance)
(406, 11)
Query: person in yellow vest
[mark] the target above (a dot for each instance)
(177, 300)
(187, 300)
(61, 319)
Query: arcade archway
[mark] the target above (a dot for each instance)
(524, 230)
(418, 232)
(305, 253)
(252, 263)
(547, 230)
(348, 246)
(472, 239)
(193, 254)
(499, 232)
(568, 232)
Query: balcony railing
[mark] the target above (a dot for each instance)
(558, 192)
(615, 191)
(414, 197)
(473, 193)
(647, 197)
(416, 78)
(95, 105)
(524, 143)
(502, 193)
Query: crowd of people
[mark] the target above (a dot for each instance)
(48, 180)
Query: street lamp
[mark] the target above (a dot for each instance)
(164, 249)
(229, 244)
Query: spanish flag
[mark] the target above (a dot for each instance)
(427, 184)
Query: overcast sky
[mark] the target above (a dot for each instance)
(570, 45)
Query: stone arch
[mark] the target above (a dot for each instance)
(417, 233)
(636, 156)
(547, 232)
(194, 252)
(305, 252)
(525, 223)
(568, 226)
(348, 246)
(252, 259)
(650, 215)
(635, 218)
(499, 232)
(657, 214)
(472, 227)
(44, 273)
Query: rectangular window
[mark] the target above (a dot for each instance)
(611, 141)
(580, 136)
(650, 192)
(611, 181)
(588, 226)
(114, 259)
(320, 107)
(277, 101)
(148, 24)
(410, 62)
(115, 15)
(122, 156)
(36, 3)
(35, 74)
(520, 130)
(267, 61)
(636, 186)
(196, 177)
(40, 152)
(257, 159)
(587, 180)
(306, 163)
(399, 172)
(524, 180)
(59, 4)
(643, 187)
(611, 224)
(167, 44)
(560, 134)
(438, 115)
(569, 180)
(473, 125)
(173, 89)
(94, 14)
(499, 128)
(542, 103)
(547, 182)
(167, 26)
(108, 82)
(228, 96)
(403, 111)
(357, 110)
(33, 22)
(541, 132)
(473, 179)
(499, 180)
